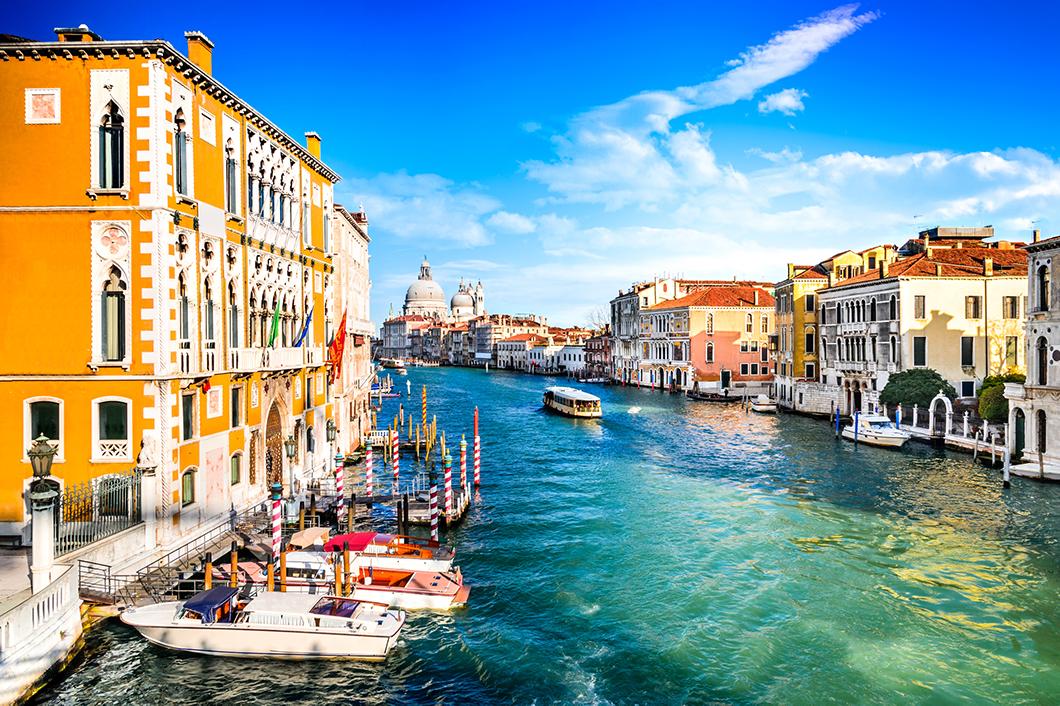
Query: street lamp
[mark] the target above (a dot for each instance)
(41, 455)
(331, 430)
(291, 446)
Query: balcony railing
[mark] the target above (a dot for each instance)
(251, 359)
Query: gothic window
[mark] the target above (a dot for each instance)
(894, 308)
(113, 317)
(1042, 360)
(185, 306)
(231, 178)
(111, 148)
(236, 468)
(261, 193)
(749, 324)
(765, 323)
(187, 488)
(180, 153)
(208, 323)
(233, 316)
(1043, 288)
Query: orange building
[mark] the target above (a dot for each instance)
(162, 228)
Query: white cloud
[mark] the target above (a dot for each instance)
(531, 126)
(788, 102)
(780, 157)
(511, 222)
(626, 153)
(424, 206)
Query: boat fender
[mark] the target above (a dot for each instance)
(367, 581)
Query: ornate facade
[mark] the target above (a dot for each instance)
(177, 256)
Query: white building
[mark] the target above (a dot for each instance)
(1034, 408)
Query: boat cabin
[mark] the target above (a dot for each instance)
(214, 605)
(572, 402)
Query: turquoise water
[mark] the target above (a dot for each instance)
(688, 553)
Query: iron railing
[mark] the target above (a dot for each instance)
(98, 508)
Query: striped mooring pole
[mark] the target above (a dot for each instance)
(476, 459)
(423, 407)
(448, 465)
(434, 509)
(463, 462)
(277, 489)
(340, 483)
(395, 458)
(368, 471)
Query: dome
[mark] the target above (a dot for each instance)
(461, 300)
(424, 290)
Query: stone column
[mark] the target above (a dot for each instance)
(966, 424)
(42, 495)
(149, 506)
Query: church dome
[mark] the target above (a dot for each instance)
(461, 300)
(424, 290)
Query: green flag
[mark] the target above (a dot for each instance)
(274, 332)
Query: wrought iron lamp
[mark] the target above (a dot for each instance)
(290, 446)
(41, 455)
(331, 430)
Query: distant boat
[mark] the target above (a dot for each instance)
(763, 405)
(711, 397)
(572, 402)
(276, 625)
(875, 430)
(634, 410)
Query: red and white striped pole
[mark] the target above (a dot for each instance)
(434, 509)
(340, 484)
(277, 489)
(395, 457)
(477, 450)
(463, 463)
(448, 465)
(368, 470)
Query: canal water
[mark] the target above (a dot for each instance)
(684, 553)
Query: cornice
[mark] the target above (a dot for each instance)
(164, 51)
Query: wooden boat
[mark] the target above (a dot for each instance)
(395, 551)
(763, 405)
(411, 590)
(572, 402)
(273, 625)
(875, 430)
(710, 397)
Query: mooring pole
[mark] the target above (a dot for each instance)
(368, 472)
(434, 506)
(234, 578)
(448, 469)
(207, 577)
(1005, 473)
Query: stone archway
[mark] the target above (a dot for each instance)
(940, 425)
(273, 446)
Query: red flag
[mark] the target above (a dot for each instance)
(338, 345)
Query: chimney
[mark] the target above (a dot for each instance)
(80, 33)
(927, 248)
(884, 269)
(831, 278)
(927, 251)
(988, 266)
(791, 270)
(938, 269)
(756, 296)
(1037, 233)
(312, 143)
(200, 51)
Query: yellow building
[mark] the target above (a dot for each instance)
(795, 343)
(156, 226)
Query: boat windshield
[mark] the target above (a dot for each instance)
(881, 425)
(330, 605)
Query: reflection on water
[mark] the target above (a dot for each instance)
(690, 552)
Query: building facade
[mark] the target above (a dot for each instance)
(1034, 408)
(714, 339)
(352, 296)
(952, 306)
(188, 279)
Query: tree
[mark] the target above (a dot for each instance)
(993, 406)
(917, 386)
(995, 380)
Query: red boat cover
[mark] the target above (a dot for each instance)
(358, 541)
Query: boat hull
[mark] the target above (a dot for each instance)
(411, 600)
(573, 414)
(764, 408)
(888, 441)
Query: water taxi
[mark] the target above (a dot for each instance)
(394, 551)
(763, 405)
(875, 430)
(273, 625)
(572, 402)
(411, 590)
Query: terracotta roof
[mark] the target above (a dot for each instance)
(408, 317)
(954, 262)
(523, 337)
(721, 296)
(1042, 244)
(815, 272)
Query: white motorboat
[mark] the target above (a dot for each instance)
(273, 625)
(572, 402)
(394, 551)
(411, 590)
(875, 430)
(764, 405)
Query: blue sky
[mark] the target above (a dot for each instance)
(558, 151)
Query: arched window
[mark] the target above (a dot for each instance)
(233, 315)
(111, 430)
(250, 186)
(1042, 349)
(824, 350)
(187, 487)
(185, 305)
(43, 416)
(765, 323)
(113, 317)
(749, 324)
(1043, 288)
(208, 323)
(894, 347)
(710, 353)
(180, 153)
(235, 467)
(261, 193)
(894, 308)
(310, 442)
(710, 323)
(111, 148)
(810, 340)
(872, 309)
